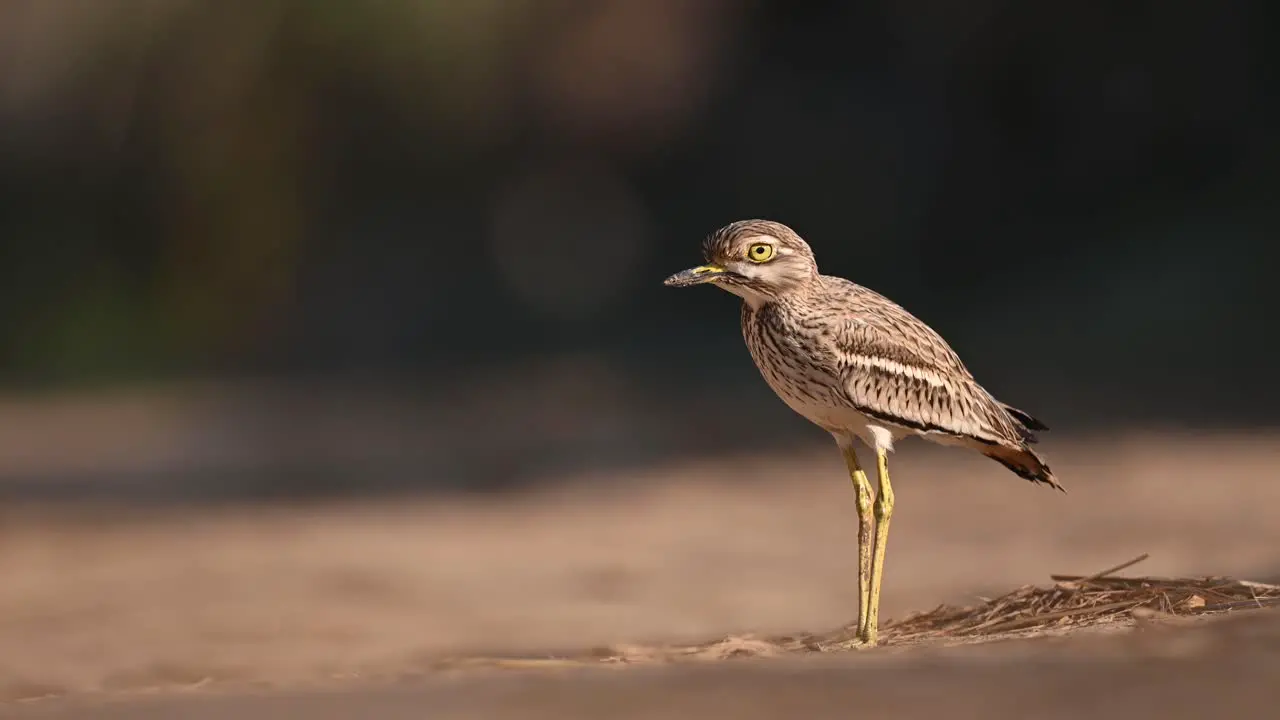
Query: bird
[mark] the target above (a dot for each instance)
(861, 367)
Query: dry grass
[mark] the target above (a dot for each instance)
(1080, 602)
(1073, 603)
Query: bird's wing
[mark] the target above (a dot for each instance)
(895, 368)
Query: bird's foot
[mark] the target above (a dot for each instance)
(848, 640)
(852, 644)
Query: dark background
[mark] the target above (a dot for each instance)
(285, 248)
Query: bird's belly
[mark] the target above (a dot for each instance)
(849, 422)
(832, 419)
(806, 397)
(837, 418)
(810, 404)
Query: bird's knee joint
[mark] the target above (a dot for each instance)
(884, 503)
(884, 498)
(865, 505)
(863, 486)
(883, 507)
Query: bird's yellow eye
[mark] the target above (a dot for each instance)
(760, 252)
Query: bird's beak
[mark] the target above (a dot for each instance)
(695, 276)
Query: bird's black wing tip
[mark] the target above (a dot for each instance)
(1025, 419)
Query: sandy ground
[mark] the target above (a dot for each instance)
(163, 613)
(1228, 667)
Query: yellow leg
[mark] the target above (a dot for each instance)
(883, 513)
(863, 487)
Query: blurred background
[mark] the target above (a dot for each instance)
(310, 247)
(303, 249)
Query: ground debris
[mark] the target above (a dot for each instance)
(1077, 602)
(1072, 603)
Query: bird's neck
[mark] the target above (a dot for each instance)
(751, 297)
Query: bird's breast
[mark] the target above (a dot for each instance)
(796, 364)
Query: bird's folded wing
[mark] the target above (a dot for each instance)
(907, 375)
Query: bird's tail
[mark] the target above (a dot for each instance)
(1024, 462)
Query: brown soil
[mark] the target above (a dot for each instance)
(378, 606)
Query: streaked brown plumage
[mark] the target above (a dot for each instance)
(858, 365)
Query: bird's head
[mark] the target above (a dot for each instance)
(757, 260)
